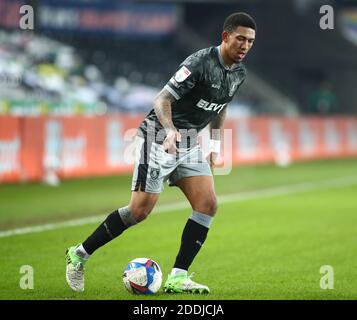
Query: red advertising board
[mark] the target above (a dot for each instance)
(84, 146)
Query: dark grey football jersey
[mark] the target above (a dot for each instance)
(202, 87)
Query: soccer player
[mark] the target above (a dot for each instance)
(167, 149)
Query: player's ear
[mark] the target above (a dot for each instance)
(225, 36)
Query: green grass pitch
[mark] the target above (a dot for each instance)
(260, 247)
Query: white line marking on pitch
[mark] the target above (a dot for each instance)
(235, 197)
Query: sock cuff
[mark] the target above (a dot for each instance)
(176, 271)
(201, 218)
(127, 217)
(82, 252)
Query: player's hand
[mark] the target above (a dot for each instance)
(212, 159)
(169, 143)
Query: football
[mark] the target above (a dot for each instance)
(142, 276)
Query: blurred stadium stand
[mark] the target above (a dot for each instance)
(72, 63)
(111, 58)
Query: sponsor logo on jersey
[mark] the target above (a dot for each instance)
(207, 106)
(182, 74)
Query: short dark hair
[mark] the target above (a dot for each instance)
(239, 19)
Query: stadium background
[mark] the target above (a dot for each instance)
(74, 89)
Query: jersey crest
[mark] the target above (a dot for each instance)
(154, 173)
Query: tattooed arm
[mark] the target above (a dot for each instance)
(162, 108)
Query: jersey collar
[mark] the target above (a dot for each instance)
(220, 58)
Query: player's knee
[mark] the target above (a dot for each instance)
(140, 212)
(207, 206)
(212, 206)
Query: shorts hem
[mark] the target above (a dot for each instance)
(173, 183)
(138, 187)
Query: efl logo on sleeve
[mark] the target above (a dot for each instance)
(182, 74)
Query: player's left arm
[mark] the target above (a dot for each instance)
(216, 128)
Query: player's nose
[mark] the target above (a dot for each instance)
(244, 45)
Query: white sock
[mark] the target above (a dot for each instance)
(82, 252)
(176, 271)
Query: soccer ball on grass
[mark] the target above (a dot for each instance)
(142, 276)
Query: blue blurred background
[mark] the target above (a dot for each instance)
(94, 56)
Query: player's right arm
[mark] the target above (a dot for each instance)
(162, 107)
(178, 86)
